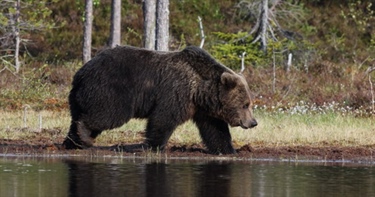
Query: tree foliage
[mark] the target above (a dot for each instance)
(20, 21)
(281, 40)
(230, 47)
(362, 15)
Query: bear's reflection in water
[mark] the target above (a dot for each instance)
(151, 179)
(159, 178)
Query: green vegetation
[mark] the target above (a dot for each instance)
(331, 52)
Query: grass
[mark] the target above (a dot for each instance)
(274, 129)
(309, 129)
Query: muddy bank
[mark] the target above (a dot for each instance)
(46, 147)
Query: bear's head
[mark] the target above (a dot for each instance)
(235, 99)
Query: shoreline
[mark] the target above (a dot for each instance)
(364, 155)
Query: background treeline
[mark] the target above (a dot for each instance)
(332, 45)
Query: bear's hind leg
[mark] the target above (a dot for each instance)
(79, 136)
(215, 134)
(158, 134)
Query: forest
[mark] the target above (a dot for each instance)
(319, 54)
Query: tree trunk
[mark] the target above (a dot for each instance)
(149, 15)
(262, 24)
(14, 20)
(162, 25)
(115, 37)
(87, 31)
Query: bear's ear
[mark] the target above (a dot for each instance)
(228, 80)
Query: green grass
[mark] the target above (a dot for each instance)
(274, 129)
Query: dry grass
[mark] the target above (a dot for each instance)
(23, 125)
(274, 129)
(309, 129)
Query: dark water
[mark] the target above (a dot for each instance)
(141, 177)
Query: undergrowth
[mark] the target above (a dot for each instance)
(47, 88)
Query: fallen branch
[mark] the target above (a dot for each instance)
(202, 32)
(6, 68)
(369, 70)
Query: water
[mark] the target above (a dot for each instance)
(141, 177)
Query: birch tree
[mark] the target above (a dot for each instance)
(156, 24)
(87, 31)
(15, 22)
(149, 16)
(115, 34)
(162, 25)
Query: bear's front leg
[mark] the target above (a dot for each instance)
(215, 134)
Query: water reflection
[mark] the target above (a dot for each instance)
(182, 178)
(149, 179)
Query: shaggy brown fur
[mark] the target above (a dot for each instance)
(167, 88)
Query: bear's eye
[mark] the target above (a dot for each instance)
(246, 106)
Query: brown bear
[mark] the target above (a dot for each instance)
(167, 88)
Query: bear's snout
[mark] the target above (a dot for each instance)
(249, 123)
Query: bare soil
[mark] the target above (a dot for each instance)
(45, 146)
